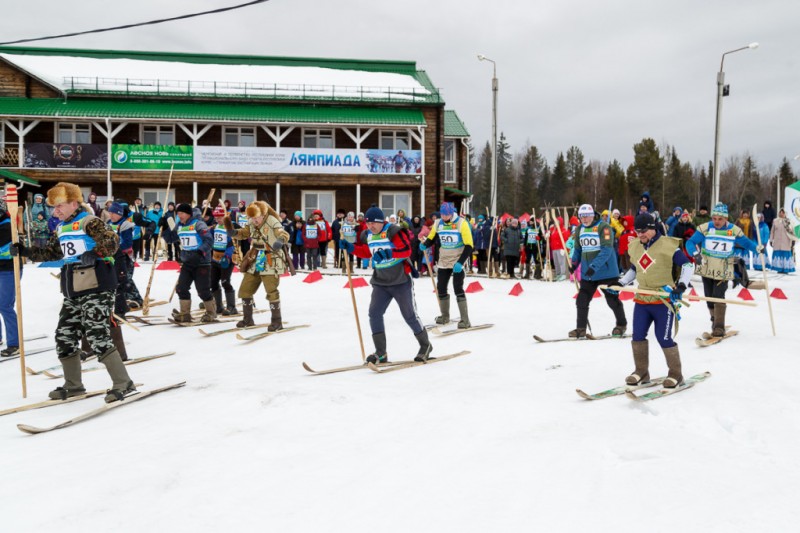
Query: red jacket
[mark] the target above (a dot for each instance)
(401, 246)
(555, 240)
(311, 242)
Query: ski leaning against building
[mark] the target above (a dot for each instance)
(712, 248)
(455, 238)
(264, 263)
(196, 242)
(594, 254)
(389, 247)
(88, 283)
(653, 259)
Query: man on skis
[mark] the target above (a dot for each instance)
(222, 264)
(196, 242)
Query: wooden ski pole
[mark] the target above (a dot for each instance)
(123, 321)
(12, 204)
(430, 271)
(547, 245)
(666, 295)
(492, 266)
(763, 268)
(537, 227)
(353, 298)
(146, 304)
(564, 244)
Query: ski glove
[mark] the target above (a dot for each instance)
(88, 258)
(347, 246)
(458, 268)
(760, 248)
(677, 293)
(590, 272)
(18, 250)
(277, 245)
(225, 262)
(698, 258)
(423, 246)
(384, 254)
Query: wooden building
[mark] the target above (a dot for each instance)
(302, 133)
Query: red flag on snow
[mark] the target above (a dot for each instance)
(314, 276)
(168, 265)
(516, 290)
(778, 294)
(744, 294)
(475, 286)
(357, 282)
(693, 293)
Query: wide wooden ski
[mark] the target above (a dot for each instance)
(52, 403)
(687, 384)
(616, 391)
(453, 331)
(409, 364)
(56, 371)
(362, 366)
(136, 396)
(268, 333)
(704, 343)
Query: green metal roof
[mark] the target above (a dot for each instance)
(459, 192)
(209, 111)
(7, 174)
(453, 127)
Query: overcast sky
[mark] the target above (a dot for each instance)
(600, 75)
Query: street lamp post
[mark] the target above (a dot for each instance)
(493, 192)
(720, 89)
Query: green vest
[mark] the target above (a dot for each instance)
(653, 266)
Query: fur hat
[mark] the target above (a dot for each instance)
(260, 209)
(64, 192)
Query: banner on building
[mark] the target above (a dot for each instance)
(306, 160)
(151, 157)
(63, 155)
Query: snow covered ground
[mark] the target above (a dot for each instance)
(493, 441)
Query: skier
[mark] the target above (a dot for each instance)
(87, 282)
(595, 255)
(196, 243)
(455, 238)
(264, 263)
(349, 229)
(8, 294)
(222, 264)
(712, 247)
(653, 257)
(389, 248)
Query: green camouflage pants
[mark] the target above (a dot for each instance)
(88, 315)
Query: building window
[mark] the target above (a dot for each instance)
(73, 133)
(158, 134)
(392, 202)
(317, 138)
(234, 196)
(325, 201)
(239, 137)
(150, 196)
(395, 140)
(449, 161)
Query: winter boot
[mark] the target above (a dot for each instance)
(425, 346)
(577, 333)
(462, 308)
(275, 309)
(481, 267)
(379, 340)
(230, 298)
(119, 342)
(185, 314)
(444, 307)
(719, 320)
(619, 330)
(247, 313)
(10, 351)
(121, 383)
(641, 358)
(211, 311)
(73, 385)
(674, 376)
(218, 300)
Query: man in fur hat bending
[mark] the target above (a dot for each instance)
(264, 263)
(88, 283)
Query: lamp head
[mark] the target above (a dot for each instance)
(752, 45)
(481, 57)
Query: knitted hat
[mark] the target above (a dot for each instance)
(586, 211)
(644, 222)
(447, 209)
(374, 214)
(481, 217)
(184, 208)
(298, 214)
(219, 211)
(116, 208)
(720, 210)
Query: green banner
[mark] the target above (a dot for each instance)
(151, 157)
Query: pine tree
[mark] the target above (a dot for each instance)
(615, 184)
(646, 173)
(482, 181)
(576, 168)
(530, 175)
(559, 181)
(545, 186)
(785, 173)
(506, 188)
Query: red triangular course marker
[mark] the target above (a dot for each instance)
(314, 276)
(168, 265)
(516, 290)
(744, 294)
(473, 287)
(285, 274)
(597, 294)
(624, 295)
(357, 282)
(778, 294)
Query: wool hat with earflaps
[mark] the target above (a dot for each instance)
(64, 192)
